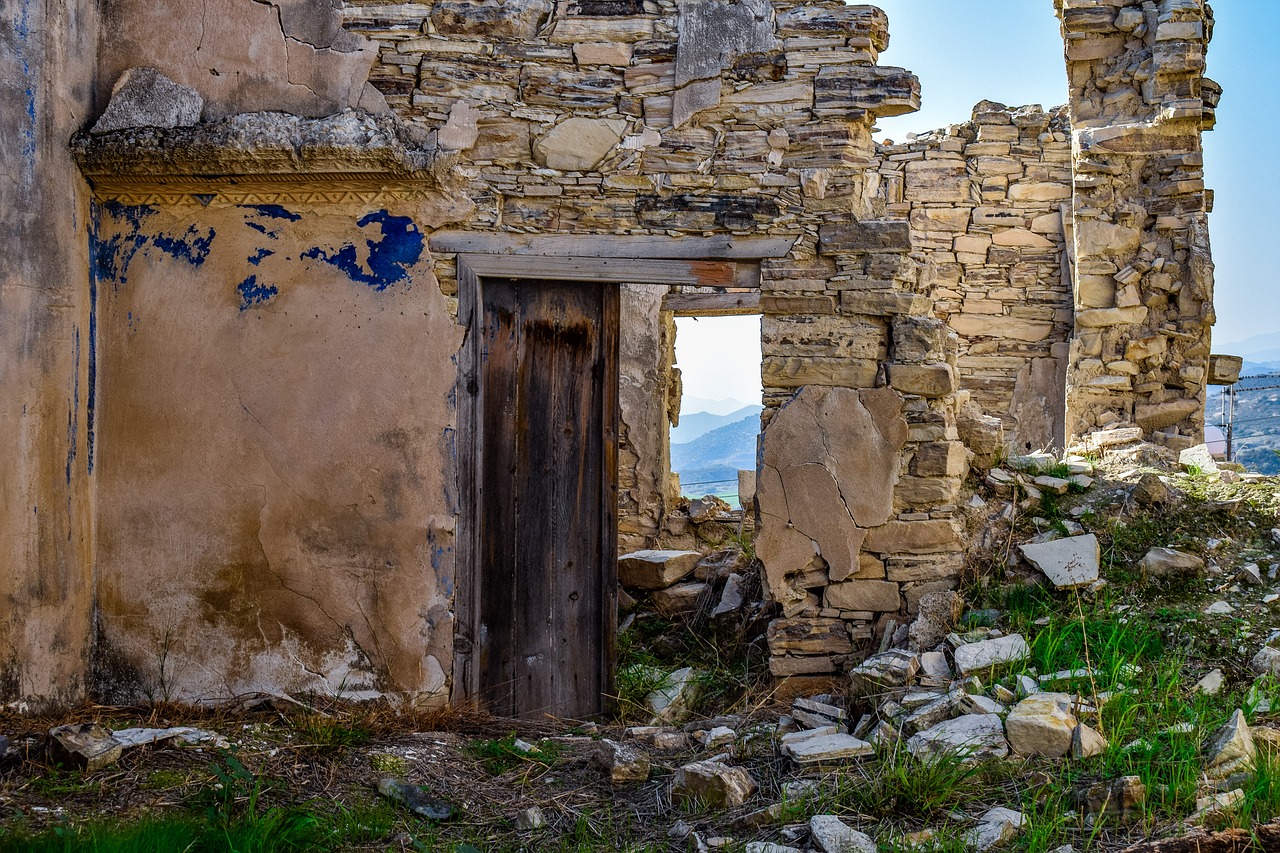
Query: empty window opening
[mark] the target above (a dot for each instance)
(719, 361)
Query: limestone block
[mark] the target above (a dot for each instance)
(711, 784)
(941, 459)
(809, 637)
(679, 598)
(1166, 562)
(974, 736)
(924, 380)
(693, 98)
(937, 180)
(1033, 191)
(1097, 318)
(143, 97)
(832, 835)
(880, 90)
(783, 372)
(1157, 416)
(578, 144)
(1021, 238)
(976, 657)
(882, 304)
(1067, 563)
(606, 53)
(1199, 458)
(848, 237)
(1231, 749)
(1015, 328)
(884, 672)
(622, 763)
(827, 749)
(927, 492)
(912, 537)
(1225, 369)
(874, 595)
(88, 746)
(655, 569)
(1042, 724)
(955, 219)
(1095, 237)
(1086, 742)
(493, 19)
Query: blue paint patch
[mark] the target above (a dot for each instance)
(261, 229)
(252, 293)
(192, 247)
(399, 248)
(275, 211)
(256, 258)
(22, 29)
(205, 199)
(95, 271)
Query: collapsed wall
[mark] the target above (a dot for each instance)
(985, 200)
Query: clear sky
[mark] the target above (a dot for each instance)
(965, 51)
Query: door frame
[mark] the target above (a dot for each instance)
(614, 260)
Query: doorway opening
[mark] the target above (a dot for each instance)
(719, 425)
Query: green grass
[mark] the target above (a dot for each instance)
(904, 786)
(498, 755)
(325, 732)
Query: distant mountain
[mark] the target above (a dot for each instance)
(710, 463)
(1253, 368)
(700, 423)
(1259, 348)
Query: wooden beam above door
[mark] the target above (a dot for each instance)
(629, 270)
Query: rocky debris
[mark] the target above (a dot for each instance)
(824, 747)
(708, 508)
(769, 847)
(711, 784)
(815, 715)
(530, 819)
(1214, 806)
(1067, 563)
(997, 826)
(1198, 459)
(1231, 749)
(716, 737)
(1266, 661)
(1152, 491)
(1211, 684)
(86, 746)
(829, 834)
(416, 799)
(732, 597)
(182, 735)
(1122, 798)
(670, 702)
(883, 672)
(1166, 562)
(1042, 724)
(936, 617)
(1086, 742)
(651, 570)
(987, 654)
(678, 598)
(4, 748)
(143, 97)
(973, 736)
(622, 763)
(1219, 608)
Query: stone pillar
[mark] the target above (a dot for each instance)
(1141, 266)
(47, 355)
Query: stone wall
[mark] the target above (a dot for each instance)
(985, 202)
(47, 355)
(1143, 273)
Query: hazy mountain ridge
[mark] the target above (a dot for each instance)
(710, 463)
(698, 424)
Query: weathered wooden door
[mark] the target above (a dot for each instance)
(547, 496)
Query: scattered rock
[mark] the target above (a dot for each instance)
(712, 784)
(827, 749)
(732, 597)
(670, 703)
(530, 819)
(717, 737)
(1042, 724)
(1150, 490)
(998, 826)
(1211, 684)
(1122, 798)
(415, 799)
(623, 763)
(1215, 806)
(974, 736)
(1166, 562)
(708, 508)
(886, 671)
(1086, 742)
(974, 657)
(182, 735)
(1067, 563)
(87, 746)
(1219, 608)
(816, 715)
(678, 598)
(770, 847)
(1266, 661)
(832, 835)
(655, 569)
(1198, 459)
(1231, 749)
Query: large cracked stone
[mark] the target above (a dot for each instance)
(1067, 563)
(829, 463)
(975, 657)
(713, 785)
(578, 144)
(1042, 724)
(972, 736)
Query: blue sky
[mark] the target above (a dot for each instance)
(1010, 51)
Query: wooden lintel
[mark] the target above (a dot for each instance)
(722, 247)
(711, 304)
(620, 270)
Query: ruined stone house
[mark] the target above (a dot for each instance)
(337, 336)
